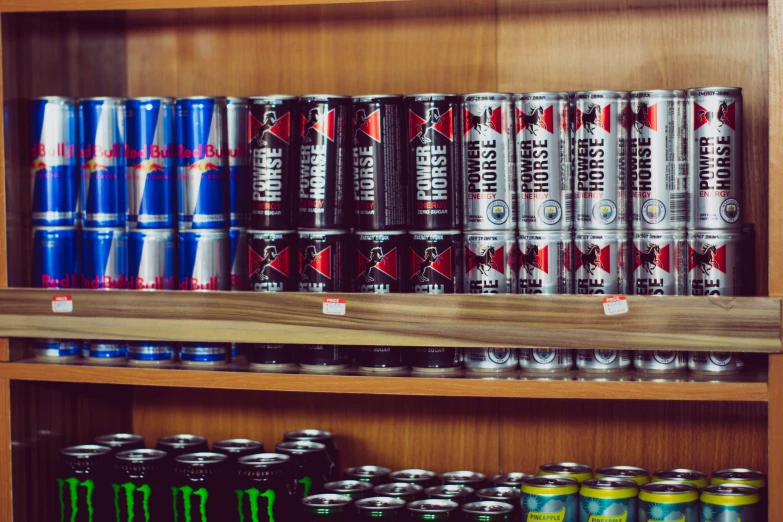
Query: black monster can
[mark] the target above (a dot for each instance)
(198, 485)
(377, 266)
(83, 483)
(272, 122)
(139, 484)
(379, 183)
(433, 155)
(310, 463)
(323, 160)
(270, 260)
(265, 488)
(320, 260)
(434, 261)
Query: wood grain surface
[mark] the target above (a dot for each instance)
(748, 387)
(775, 193)
(90, 5)
(775, 434)
(693, 323)
(6, 478)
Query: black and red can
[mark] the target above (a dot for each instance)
(379, 182)
(272, 125)
(320, 258)
(378, 262)
(435, 258)
(271, 260)
(434, 160)
(323, 149)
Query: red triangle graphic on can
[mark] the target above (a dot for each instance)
(595, 256)
(386, 263)
(709, 258)
(485, 260)
(321, 261)
(370, 125)
(279, 262)
(489, 119)
(279, 127)
(437, 262)
(324, 125)
(724, 115)
(418, 126)
(532, 259)
(655, 257)
(595, 117)
(539, 118)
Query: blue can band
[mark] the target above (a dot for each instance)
(202, 357)
(147, 356)
(108, 354)
(57, 352)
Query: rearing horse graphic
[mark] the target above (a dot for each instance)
(532, 120)
(376, 255)
(430, 257)
(591, 118)
(650, 259)
(270, 118)
(484, 262)
(361, 118)
(640, 119)
(310, 255)
(592, 260)
(530, 259)
(710, 117)
(484, 121)
(312, 120)
(706, 260)
(433, 117)
(270, 253)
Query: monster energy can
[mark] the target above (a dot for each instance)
(730, 503)
(324, 437)
(380, 508)
(639, 475)
(660, 361)
(668, 501)
(82, 481)
(550, 497)
(326, 508)
(608, 500)
(487, 511)
(354, 489)
(491, 359)
(373, 474)
(264, 488)
(420, 477)
(454, 492)
(509, 495)
(689, 476)
(546, 360)
(139, 485)
(715, 363)
(310, 465)
(574, 470)
(235, 449)
(513, 479)
(403, 490)
(432, 510)
(121, 441)
(603, 361)
(198, 486)
(181, 444)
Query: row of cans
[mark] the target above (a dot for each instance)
(479, 162)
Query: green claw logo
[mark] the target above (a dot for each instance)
(187, 504)
(252, 496)
(73, 484)
(130, 500)
(307, 482)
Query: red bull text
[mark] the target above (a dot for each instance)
(152, 260)
(204, 260)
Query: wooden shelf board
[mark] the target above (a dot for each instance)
(677, 323)
(750, 386)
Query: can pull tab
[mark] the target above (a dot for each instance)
(615, 305)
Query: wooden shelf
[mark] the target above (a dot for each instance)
(750, 386)
(681, 323)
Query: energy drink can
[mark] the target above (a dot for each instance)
(608, 499)
(323, 357)
(206, 473)
(471, 479)
(205, 354)
(747, 477)
(488, 511)
(204, 260)
(435, 258)
(659, 263)
(377, 508)
(552, 497)
(82, 475)
(490, 261)
(141, 489)
(238, 245)
(543, 263)
(56, 258)
(434, 121)
(491, 359)
(715, 363)
(546, 360)
(354, 489)
(488, 163)
(381, 358)
(662, 501)
(324, 437)
(263, 486)
(432, 509)
(660, 361)
(544, 175)
(263, 356)
(152, 260)
(56, 350)
(599, 262)
(376, 264)
(105, 258)
(730, 502)
(310, 464)
(603, 361)
(320, 260)
(106, 352)
(690, 476)
(148, 353)
(578, 472)
(512, 479)
(238, 167)
(373, 474)
(421, 477)
(715, 262)
(454, 492)
(271, 258)
(326, 506)
(510, 495)
(323, 161)
(436, 360)
(715, 157)
(640, 476)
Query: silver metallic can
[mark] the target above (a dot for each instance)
(56, 350)
(659, 263)
(660, 361)
(204, 260)
(490, 263)
(238, 167)
(543, 160)
(488, 162)
(715, 157)
(599, 263)
(152, 260)
(239, 262)
(603, 361)
(601, 122)
(714, 262)
(658, 170)
(491, 359)
(105, 352)
(543, 264)
(546, 360)
(713, 363)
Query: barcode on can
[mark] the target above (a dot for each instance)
(678, 207)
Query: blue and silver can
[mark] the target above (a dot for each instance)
(205, 353)
(151, 166)
(668, 501)
(152, 260)
(202, 163)
(238, 166)
(608, 500)
(102, 154)
(239, 267)
(550, 497)
(151, 353)
(56, 258)
(54, 161)
(204, 260)
(56, 350)
(105, 258)
(731, 503)
(105, 352)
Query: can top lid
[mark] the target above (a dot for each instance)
(268, 232)
(367, 471)
(730, 490)
(325, 96)
(396, 488)
(379, 96)
(696, 90)
(659, 93)
(680, 474)
(117, 440)
(450, 491)
(561, 95)
(280, 97)
(434, 232)
(412, 474)
(202, 458)
(308, 434)
(668, 487)
(738, 473)
(142, 99)
(499, 96)
(513, 478)
(142, 455)
(316, 232)
(379, 503)
(586, 95)
(347, 485)
(609, 483)
(113, 99)
(488, 507)
(430, 95)
(499, 492)
(326, 500)
(236, 100)
(622, 471)
(566, 467)
(380, 233)
(462, 476)
(62, 99)
(550, 481)
(299, 447)
(432, 505)
(182, 440)
(237, 444)
(203, 98)
(85, 451)
(264, 460)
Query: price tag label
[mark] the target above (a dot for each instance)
(62, 304)
(615, 304)
(334, 306)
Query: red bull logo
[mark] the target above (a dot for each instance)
(203, 165)
(150, 152)
(37, 165)
(200, 152)
(95, 167)
(57, 150)
(148, 166)
(96, 151)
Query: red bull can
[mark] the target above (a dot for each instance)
(544, 176)
(603, 361)
(601, 122)
(324, 146)
(152, 262)
(659, 263)
(488, 163)
(715, 363)
(238, 166)
(105, 352)
(542, 263)
(239, 251)
(148, 353)
(271, 260)
(490, 263)
(56, 258)
(714, 262)
(202, 163)
(658, 173)
(205, 354)
(715, 157)
(491, 359)
(380, 187)
(434, 261)
(272, 127)
(102, 155)
(320, 260)
(150, 155)
(56, 350)
(105, 258)
(54, 161)
(204, 260)
(599, 263)
(377, 267)
(546, 360)
(660, 361)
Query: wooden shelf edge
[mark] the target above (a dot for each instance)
(22, 6)
(410, 386)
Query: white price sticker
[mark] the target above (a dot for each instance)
(615, 304)
(62, 304)
(334, 306)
